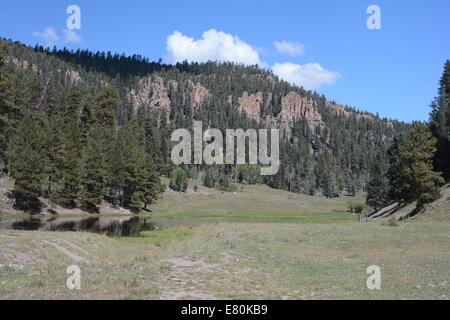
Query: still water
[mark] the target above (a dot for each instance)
(112, 226)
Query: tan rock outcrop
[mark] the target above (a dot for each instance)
(295, 107)
(199, 94)
(152, 93)
(24, 65)
(73, 76)
(251, 105)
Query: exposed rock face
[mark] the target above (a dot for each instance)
(251, 105)
(295, 107)
(24, 65)
(73, 76)
(151, 93)
(199, 94)
(16, 62)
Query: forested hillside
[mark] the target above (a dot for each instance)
(80, 127)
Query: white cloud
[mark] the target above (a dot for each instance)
(51, 38)
(292, 49)
(71, 37)
(213, 46)
(48, 35)
(310, 76)
(220, 46)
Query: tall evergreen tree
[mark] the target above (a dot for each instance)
(92, 168)
(131, 157)
(149, 184)
(86, 117)
(69, 183)
(378, 186)
(393, 173)
(440, 123)
(418, 181)
(7, 106)
(26, 163)
(104, 115)
(104, 112)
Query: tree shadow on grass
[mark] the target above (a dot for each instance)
(25, 202)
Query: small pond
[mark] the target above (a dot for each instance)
(112, 226)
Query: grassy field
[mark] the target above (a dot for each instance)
(256, 244)
(257, 203)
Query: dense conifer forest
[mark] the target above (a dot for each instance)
(79, 128)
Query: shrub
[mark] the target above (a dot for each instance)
(178, 180)
(225, 185)
(356, 207)
(162, 187)
(428, 197)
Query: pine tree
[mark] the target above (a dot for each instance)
(393, 173)
(3, 112)
(136, 180)
(92, 166)
(378, 186)
(116, 173)
(149, 182)
(53, 144)
(104, 111)
(135, 201)
(417, 179)
(26, 163)
(440, 124)
(69, 172)
(86, 117)
(325, 174)
(7, 107)
(131, 155)
(104, 115)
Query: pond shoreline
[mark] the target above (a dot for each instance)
(110, 225)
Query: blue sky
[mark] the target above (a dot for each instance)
(324, 45)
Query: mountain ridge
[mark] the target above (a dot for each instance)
(198, 89)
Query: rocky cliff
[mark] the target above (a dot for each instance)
(199, 94)
(295, 107)
(250, 105)
(151, 93)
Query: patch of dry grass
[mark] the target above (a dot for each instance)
(233, 261)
